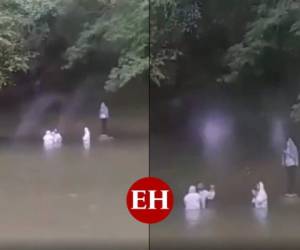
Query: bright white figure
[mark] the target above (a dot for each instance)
(205, 194)
(86, 139)
(57, 137)
(192, 199)
(48, 140)
(260, 197)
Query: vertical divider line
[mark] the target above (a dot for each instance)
(149, 103)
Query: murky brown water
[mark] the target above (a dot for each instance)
(71, 195)
(230, 218)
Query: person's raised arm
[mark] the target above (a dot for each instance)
(211, 193)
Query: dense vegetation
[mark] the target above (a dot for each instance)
(222, 42)
(24, 26)
(247, 42)
(84, 27)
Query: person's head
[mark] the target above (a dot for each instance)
(260, 186)
(192, 189)
(86, 130)
(200, 186)
(289, 140)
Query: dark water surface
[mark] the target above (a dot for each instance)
(234, 162)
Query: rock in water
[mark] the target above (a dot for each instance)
(104, 138)
(291, 195)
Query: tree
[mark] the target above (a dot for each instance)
(23, 26)
(169, 20)
(125, 26)
(270, 48)
(273, 34)
(27, 26)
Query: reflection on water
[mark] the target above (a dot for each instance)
(261, 215)
(192, 217)
(196, 218)
(86, 145)
(233, 152)
(50, 147)
(205, 218)
(66, 194)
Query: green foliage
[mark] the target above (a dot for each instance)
(23, 25)
(272, 36)
(177, 26)
(26, 26)
(275, 27)
(169, 21)
(162, 17)
(124, 25)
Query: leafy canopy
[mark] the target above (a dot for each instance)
(275, 29)
(169, 21)
(26, 25)
(125, 26)
(23, 26)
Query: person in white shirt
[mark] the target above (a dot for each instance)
(205, 194)
(48, 140)
(192, 199)
(104, 116)
(57, 137)
(260, 197)
(291, 162)
(86, 139)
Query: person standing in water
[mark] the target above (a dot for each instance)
(86, 139)
(260, 197)
(192, 199)
(291, 162)
(104, 116)
(205, 194)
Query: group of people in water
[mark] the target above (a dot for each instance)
(53, 139)
(196, 198)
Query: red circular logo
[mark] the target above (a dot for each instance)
(150, 200)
